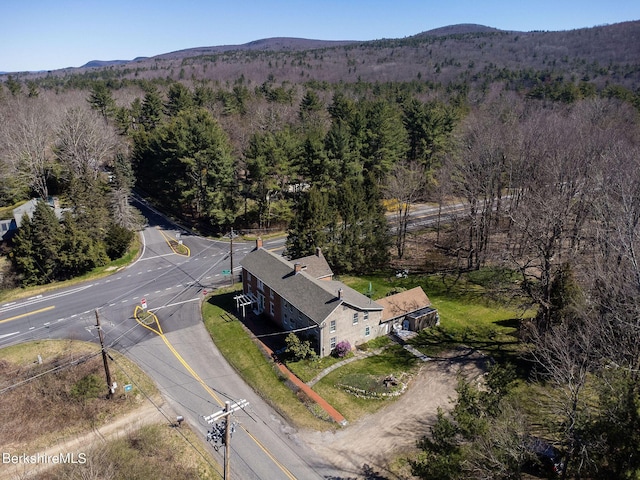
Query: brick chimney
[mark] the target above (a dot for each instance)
(297, 267)
(318, 252)
(340, 293)
(258, 243)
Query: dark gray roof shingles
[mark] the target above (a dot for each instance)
(314, 298)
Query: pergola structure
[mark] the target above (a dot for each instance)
(242, 301)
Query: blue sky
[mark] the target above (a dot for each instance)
(51, 34)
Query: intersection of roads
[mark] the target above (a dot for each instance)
(191, 374)
(180, 357)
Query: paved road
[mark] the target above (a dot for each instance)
(189, 370)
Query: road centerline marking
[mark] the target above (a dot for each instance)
(45, 309)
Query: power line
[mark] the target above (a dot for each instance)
(159, 409)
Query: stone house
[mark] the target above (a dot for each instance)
(301, 296)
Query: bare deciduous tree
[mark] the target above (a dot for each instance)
(27, 139)
(405, 186)
(85, 143)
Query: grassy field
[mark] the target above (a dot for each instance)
(65, 394)
(63, 397)
(481, 309)
(153, 451)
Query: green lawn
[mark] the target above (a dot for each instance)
(481, 309)
(394, 360)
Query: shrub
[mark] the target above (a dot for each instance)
(299, 349)
(341, 349)
(90, 386)
(117, 241)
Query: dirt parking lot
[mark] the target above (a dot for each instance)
(373, 442)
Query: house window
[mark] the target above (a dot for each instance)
(332, 343)
(333, 326)
(271, 294)
(248, 277)
(366, 316)
(355, 318)
(272, 309)
(260, 285)
(367, 331)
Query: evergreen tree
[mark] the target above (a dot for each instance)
(314, 165)
(309, 106)
(47, 241)
(101, 100)
(429, 127)
(311, 226)
(178, 98)
(384, 139)
(270, 159)
(186, 164)
(151, 111)
(77, 252)
(23, 255)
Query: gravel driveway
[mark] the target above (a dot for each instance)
(373, 441)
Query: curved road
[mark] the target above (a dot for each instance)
(189, 370)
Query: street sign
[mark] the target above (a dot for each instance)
(226, 272)
(143, 303)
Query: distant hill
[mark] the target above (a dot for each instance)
(453, 55)
(459, 29)
(103, 63)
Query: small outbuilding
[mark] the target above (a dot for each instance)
(410, 310)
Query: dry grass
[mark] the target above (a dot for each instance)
(153, 451)
(62, 396)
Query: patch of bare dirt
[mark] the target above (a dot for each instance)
(82, 444)
(373, 442)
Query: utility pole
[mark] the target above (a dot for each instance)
(104, 358)
(217, 432)
(231, 255)
(227, 438)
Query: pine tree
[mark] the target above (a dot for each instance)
(312, 224)
(179, 98)
(22, 253)
(101, 100)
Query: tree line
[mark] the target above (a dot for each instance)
(549, 188)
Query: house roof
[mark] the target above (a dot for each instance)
(30, 207)
(403, 303)
(316, 265)
(314, 298)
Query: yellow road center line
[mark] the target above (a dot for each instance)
(264, 449)
(208, 389)
(27, 314)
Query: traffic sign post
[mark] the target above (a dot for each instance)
(226, 272)
(143, 303)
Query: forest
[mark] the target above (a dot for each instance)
(546, 166)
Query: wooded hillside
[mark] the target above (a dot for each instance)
(536, 135)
